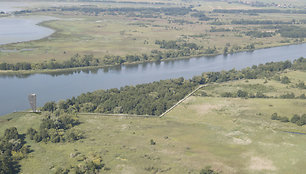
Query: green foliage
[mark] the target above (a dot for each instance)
(263, 10)
(155, 98)
(61, 171)
(201, 16)
(174, 44)
(292, 32)
(301, 85)
(284, 119)
(299, 120)
(288, 96)
(11, 133)
(49, 106)
(12, 149)
(227, 94)
(274, 116)
(152, 142)
(285, 80)
(7, 165)
(258, 22)
(259, 34)
(225, 51)
(132, 12)
(31, 133)
(208, 170)
(295, 118)
(56, 129)
(91, 165)
(242, 94)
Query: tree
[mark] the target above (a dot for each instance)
(49, 106)
(285, 80)
(6, 164)
(303, 119)
(225, 51)
(241, 93)
(11, 133)
(295, 118)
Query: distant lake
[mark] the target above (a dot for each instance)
(56, 86)
(21, 29)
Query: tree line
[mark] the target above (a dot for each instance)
(292, 31)
(170, 11)
(175, 44)
(76, 61)
(258, 22)
(252, 11)
(156, 97)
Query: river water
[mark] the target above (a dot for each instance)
(56, 86)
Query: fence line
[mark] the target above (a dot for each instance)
(179, 102)
(116, 115)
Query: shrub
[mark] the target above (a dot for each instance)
(285, 80)
(241, 93)
(208, 170)
(274, 116)
(152, 142)
(284, 119)
(295, 119)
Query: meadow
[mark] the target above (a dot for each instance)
(233, 135)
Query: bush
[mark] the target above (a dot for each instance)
(288, 96)
(242, 94)
(152, 142)
(274, 116)
(208, 170)
(31, 133)
(226, 94)
(295, 119)
(284, 119)
(285, 80)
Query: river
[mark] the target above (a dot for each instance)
(56, 86)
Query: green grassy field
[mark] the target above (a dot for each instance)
(233, 135)
(106, 34)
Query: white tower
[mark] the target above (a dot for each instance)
(32, 101)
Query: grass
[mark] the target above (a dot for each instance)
(269, 87)
(233, 135)
(120, 35)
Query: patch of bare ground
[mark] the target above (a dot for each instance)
(205, 108)
(242, 141)
(260, 163)
(238, 137)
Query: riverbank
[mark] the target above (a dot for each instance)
(71, 70)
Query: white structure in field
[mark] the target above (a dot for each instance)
(32, 101)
